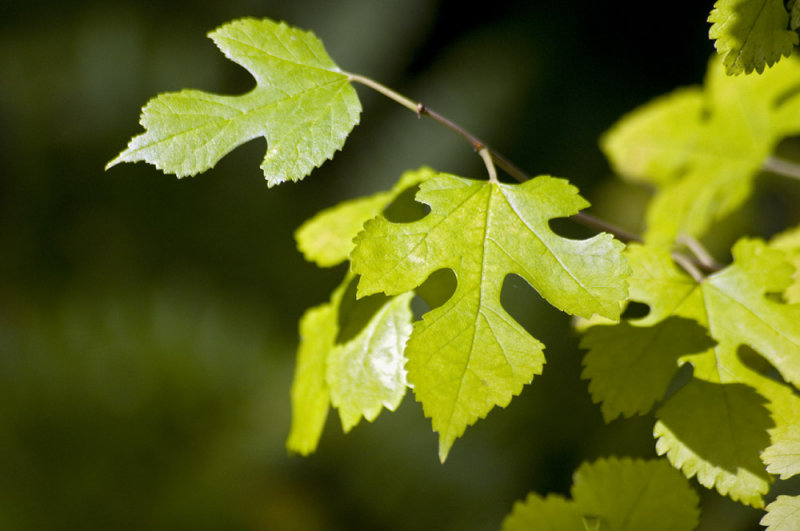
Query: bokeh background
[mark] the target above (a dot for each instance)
(148, 325)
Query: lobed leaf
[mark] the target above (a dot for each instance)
(729, 417)
(614, 495)
(702, 148)
(751, 34)
(469, 354)
(303, 105)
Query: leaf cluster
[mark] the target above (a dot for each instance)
(733, 424)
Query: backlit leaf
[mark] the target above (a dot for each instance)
(469, 354)
(327, 238)
(350, 355)
(751, 34)
(303, 104)
(718, 425)
(702, 148)
(783, 514)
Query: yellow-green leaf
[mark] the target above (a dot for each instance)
(750, 34)
(303, 105)
(469, 355)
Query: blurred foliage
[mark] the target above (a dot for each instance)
(148, 325)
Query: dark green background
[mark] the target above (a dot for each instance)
(148, 325)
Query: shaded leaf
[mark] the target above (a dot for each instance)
(630, 367)
(553, 513)
(718, 425)
(613, 495)
(632, 494)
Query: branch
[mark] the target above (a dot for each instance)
(691, 264)
(783, 167)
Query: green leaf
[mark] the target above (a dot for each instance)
(350, 355)
(469, 354)
(717, 426)
(310, 394)
(702, 148)
(633, 494)
(630, 366)
(368, 372)
(613, 495)
(327, 238)
(782, 514)
(553, 513)
(750, 34)
(303, 104)
(794, 14)
(789, 243)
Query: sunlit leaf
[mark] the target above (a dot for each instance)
(751, 34)
(351, 356)
(469, 355)
(303, 104)
(702, 148)
(327, 238)
(718, 425)
(783, 514)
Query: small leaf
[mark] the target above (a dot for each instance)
(351, 358)
(553, 513)
(633, 494)
(303, 104)
(783, 514)
(310, 395)
(368, 372)
(751, 34)
(327, 238)
(469, 355)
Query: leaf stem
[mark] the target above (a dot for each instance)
(487, 159)
(688, 265)
(703, 256)
(783, 167)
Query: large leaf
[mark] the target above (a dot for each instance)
(303, 104)
(751, 34)
(469, 354)
(613, 495)
(701, 148)
(718, 425)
